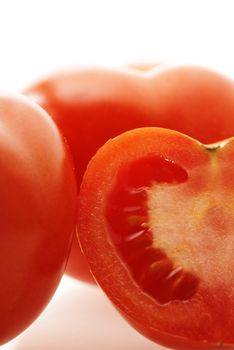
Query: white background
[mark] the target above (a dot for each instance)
(38, 37)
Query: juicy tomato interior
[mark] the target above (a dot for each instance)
(127, 215)
(165, 224)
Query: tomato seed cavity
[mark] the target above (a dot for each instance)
(127, 218)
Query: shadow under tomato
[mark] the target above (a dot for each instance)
(81, 317)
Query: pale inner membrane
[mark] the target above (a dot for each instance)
(195, 230)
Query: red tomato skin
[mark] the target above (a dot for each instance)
(205, 320)
(77, 266)
(91, 106)
(38, 212)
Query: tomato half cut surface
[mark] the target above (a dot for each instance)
(156, 224)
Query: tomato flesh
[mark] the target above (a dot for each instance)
(127, 215)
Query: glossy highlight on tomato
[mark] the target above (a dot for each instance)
(156, 224)
(38, 212)
(90, 106)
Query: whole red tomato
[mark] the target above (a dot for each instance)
(38, 212)
(156, 224)
(94, 105)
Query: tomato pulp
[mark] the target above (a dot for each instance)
(92, 106)
(38, 212)
(156, 224)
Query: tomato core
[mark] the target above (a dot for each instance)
(128, 220)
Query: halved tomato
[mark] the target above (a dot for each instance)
(156, 225)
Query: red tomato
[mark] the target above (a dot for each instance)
(91, 106)
(38, 212)
(156, 224)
